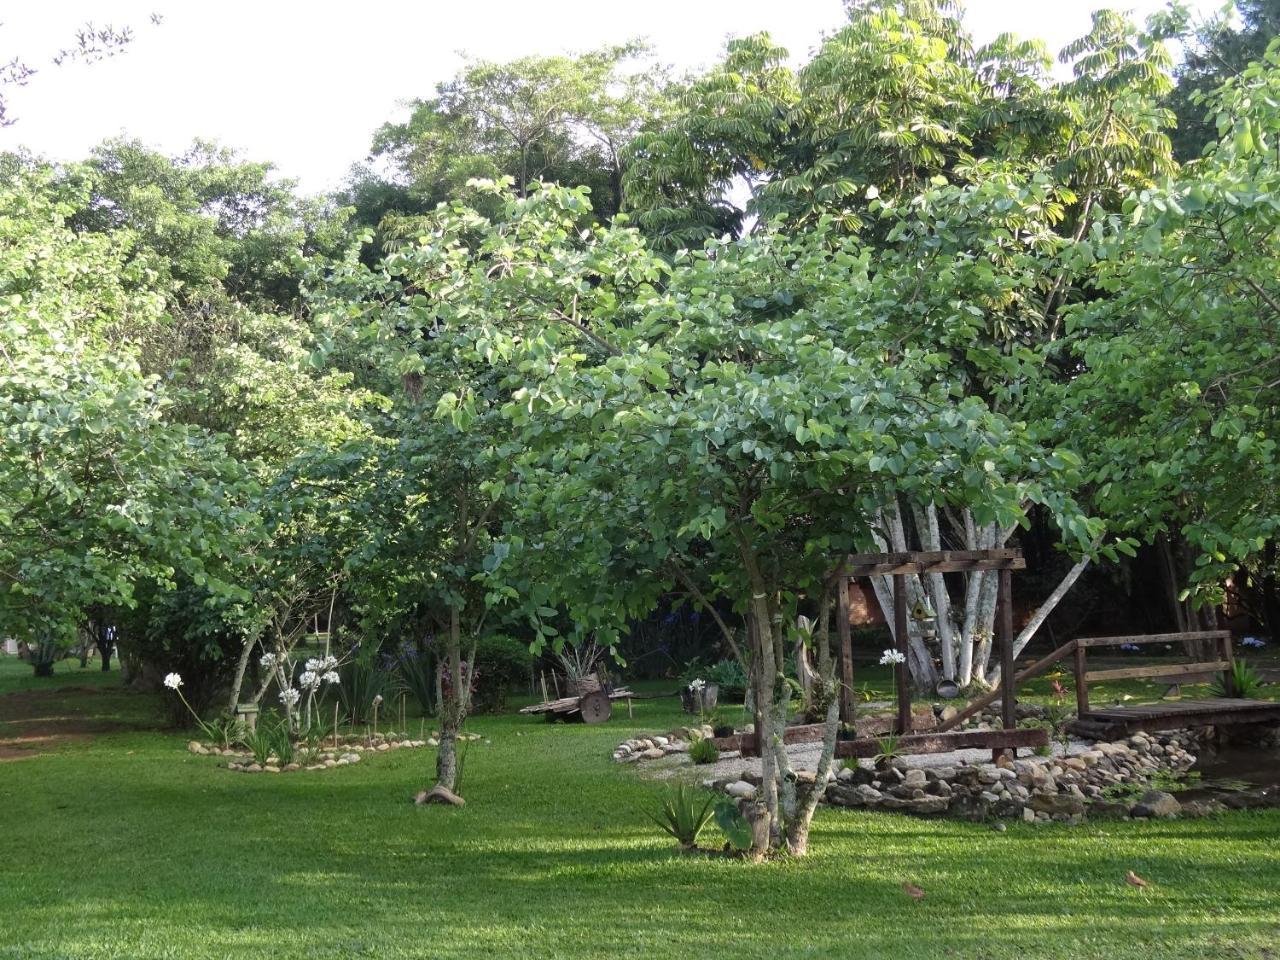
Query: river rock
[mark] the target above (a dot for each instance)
(1156, 803)
(1057, 804)
(740, 789)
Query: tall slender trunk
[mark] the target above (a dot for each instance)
(453, 708)
(242, 664)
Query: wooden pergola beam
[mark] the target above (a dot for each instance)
(932, 561)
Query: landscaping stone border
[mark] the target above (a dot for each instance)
(349, 750)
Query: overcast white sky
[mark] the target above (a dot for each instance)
(305, 84)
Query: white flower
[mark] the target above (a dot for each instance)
(289, 696)
(331, 677)
(1253, 642)
(328, 663)
(268, 661)
(891, 658)
(313, 665)
(377, 700)
(173, 681)
(309, 679)
(697, 685)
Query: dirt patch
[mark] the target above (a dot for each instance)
(33, 722)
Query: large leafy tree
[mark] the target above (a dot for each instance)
(897, 97)
(1175, 399)
(731, 424)
(438, 462)
(564, 119)
(1216, 50)
(98, 492)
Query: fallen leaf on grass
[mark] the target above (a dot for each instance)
(911, 890)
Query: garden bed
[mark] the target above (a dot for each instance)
(340, 751)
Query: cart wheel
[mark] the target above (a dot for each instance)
(596, 707)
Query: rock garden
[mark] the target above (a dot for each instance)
(1144, 776)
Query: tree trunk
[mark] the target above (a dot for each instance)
(453, 706)
(241, 665)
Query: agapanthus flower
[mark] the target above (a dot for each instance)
(289, 696)
(697, 685)
(1254, 642)
(377, 700)
(268, 661)
(1129, 647)
(173, 681)
(891, 658)
(309, 679)
(331, 677)
(313, 665)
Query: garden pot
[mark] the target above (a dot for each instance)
(703, 703)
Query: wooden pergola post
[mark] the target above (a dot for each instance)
(901, 673)
(846, 649)
(1008, 700)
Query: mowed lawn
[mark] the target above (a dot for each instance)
(124, 845)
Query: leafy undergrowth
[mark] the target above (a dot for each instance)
(127, 846)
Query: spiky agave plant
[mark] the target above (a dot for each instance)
(1244, 679)
(681, 815)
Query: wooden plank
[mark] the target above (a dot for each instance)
(946, 742)
(1157, 670)
(1199, 714)
(935, 556)
(990, 697)
(1141, 638)
(745, 743)
(891, 567)
(902, 672)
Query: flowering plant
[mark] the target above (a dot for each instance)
(299, 702)
(891, 658)
(1256, 643)
(222, 731)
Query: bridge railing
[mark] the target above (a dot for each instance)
(1172, 672)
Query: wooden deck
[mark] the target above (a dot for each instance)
(1175, 714)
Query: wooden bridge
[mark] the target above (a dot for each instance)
(1126, 719)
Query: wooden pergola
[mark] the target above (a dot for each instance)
(937, 738)
(900, 566)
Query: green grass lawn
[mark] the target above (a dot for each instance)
(127, 846)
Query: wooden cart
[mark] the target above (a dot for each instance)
(592, 702)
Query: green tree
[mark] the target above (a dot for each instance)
(98, 492)
(1173, 396)
(732, 422)
(564, 119)
(1215, 50)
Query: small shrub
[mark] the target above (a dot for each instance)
(417, 673)
(703, 750)
(683, 814)
(361, 679)
(501, 663)
(278, 736)
(261, 741)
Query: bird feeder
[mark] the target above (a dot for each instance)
(925, 617)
